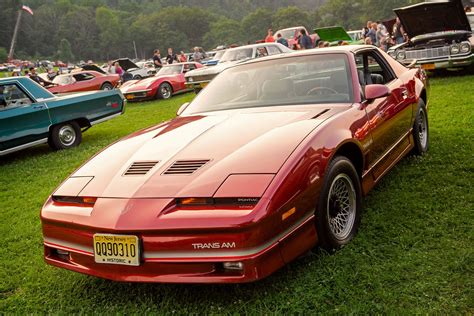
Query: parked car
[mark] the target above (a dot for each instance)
(356, 36)
(136, 72)
(169, 80)
(438, 40)
(291, 35)
(30, 115)
(83, 80)
(199, 78)
(270, 160)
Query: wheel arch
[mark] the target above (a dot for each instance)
(107, 82)
(353, 152)
(82, 121)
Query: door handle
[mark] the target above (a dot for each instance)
(39, 107)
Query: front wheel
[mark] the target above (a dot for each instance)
(165, 91)
(64, 136)
(420, 129)
(339, 207)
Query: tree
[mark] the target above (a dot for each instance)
(64, 51)
(3, 54)
(110, 32)
(256, 24)
(290, 17)
(223, 32)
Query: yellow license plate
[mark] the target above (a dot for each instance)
(203, 84)
(428, 66)
(129, 96)
(116, 249)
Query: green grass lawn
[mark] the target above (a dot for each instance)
(413, 254)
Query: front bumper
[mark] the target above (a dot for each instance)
(197, 85)
(167, 257)
(444, 62)
(138, 95)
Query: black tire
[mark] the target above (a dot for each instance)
(421, 130)
(106, 86)
(64, 136)
(340, 194)
(137, 77)
(165, 91)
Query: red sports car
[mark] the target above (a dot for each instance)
(270, 160)
(83, 81)
(168, 80)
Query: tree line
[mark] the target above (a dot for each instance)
(106, 29)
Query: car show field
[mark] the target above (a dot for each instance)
(413, 252)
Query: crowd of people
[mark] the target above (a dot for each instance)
(376, 33)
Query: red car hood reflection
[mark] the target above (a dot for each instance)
(252, 141)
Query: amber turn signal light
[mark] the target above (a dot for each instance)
(75, 200)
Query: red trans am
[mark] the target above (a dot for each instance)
(269, 161)
(168, 80)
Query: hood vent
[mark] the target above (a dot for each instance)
(140, 168)
(185, 166)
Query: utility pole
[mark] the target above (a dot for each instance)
(135, 48)
(15, 33)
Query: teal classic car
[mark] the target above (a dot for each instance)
(30, 115)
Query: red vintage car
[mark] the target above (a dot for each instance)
(86, 80)
(169, 80)
(269, 161)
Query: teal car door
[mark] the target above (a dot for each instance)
(23, 121)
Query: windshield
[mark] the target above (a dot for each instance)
(288, 34)
(236, 54)
(285, 81)
(169, 70)
(64, 80)
(219, 55)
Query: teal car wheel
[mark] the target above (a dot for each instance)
(65, 136)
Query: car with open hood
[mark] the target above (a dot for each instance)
(440, 36)
(168, 81)
(136, 71)
(270, 160)
(199, 78)
(335, 34)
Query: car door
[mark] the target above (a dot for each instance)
(86, 82)
(389, 117)
(22, 120)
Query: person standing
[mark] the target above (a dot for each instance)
(197, 55)
(118, 69)
(269, 38)
(305, 41)
(182, 57)
(372, 33)
(281, 40)
(397, 32)
(157, 59)
(171, 57)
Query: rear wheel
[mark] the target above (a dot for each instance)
(339, 207)
(421, 130)
(106, 86)
(64, 136)
(165, 91)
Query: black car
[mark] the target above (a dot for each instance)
(439, 33)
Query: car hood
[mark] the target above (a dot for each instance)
(142, 84)
(431, 17)
(332, 34)
(245, 141)
(126, 64)
(214, 70)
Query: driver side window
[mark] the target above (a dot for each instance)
(11, 96)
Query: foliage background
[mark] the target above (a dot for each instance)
(105, 29)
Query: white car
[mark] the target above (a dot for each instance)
(197, 79)
(137, 71)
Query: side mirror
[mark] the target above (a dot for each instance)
(182, 108)
(375, 91)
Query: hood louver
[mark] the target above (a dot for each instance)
(185, 166)
(140, 168)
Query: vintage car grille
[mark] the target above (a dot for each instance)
(200, 78)
(428, 53)
(185, 166)
(140, 168)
